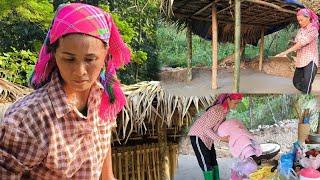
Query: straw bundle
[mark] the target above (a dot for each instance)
(10, 92)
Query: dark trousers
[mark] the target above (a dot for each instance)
(207, 158)
(303, 77)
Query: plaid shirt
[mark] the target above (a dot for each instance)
(51, 139)
(308, 37)
(207, 125)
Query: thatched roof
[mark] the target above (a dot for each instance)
(271, 15)
(149, 104)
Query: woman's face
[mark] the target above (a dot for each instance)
(80, 59)
(303, 21)
(233, 103)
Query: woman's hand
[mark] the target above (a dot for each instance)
(283, 54)
(225, 139)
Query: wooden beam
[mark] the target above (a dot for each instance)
(261, 49)
(220, 21)
(189, 53)
(237, 43)
(214, 29)
(264, 3)
(203, 9)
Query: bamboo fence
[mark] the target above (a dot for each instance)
(141, 162)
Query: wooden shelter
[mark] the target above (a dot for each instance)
(239, 21)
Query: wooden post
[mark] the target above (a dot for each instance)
(189, 55)
(163, 152)
(261, 49)
(214, 29)
(237, 43)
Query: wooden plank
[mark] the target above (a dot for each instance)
(214, 29)
(237, 43)
(261, 50)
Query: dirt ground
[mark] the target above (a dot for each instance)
(275, 78)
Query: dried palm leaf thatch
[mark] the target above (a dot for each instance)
(148, 103)
(10, 92)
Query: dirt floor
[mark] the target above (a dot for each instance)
(276, 77)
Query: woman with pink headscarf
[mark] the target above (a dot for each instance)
(203, 133)
(62, 130)
(306, 46)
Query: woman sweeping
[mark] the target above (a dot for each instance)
(63, 129)
(203, 133)
(306, 46)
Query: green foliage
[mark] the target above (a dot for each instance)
(24, 25)
(142, 17)
(39, 11)
(17, 66)
(267, 110)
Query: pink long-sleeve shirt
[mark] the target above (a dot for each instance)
(308, 38)
(207, 125)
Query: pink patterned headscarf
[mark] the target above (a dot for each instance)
(93, 21)
(312, 15)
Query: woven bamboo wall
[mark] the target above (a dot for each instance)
(141, 162)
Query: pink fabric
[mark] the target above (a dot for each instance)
(242, 144)
(312, 15)
(309, 173)
(207, 125)
(93, 21)
(308, 38)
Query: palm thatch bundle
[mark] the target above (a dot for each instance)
(10, 92)
(148, 105)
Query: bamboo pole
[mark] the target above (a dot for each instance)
(214, 29)
(120, 166)
(114, 164)
(237, 44)
(163, 151)
(279, 8)
(133, 174)
(143, 169)
(154, 164)
(261, 49)
(126, 164)
(189, 55)
(138, 164)
(149, 170)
